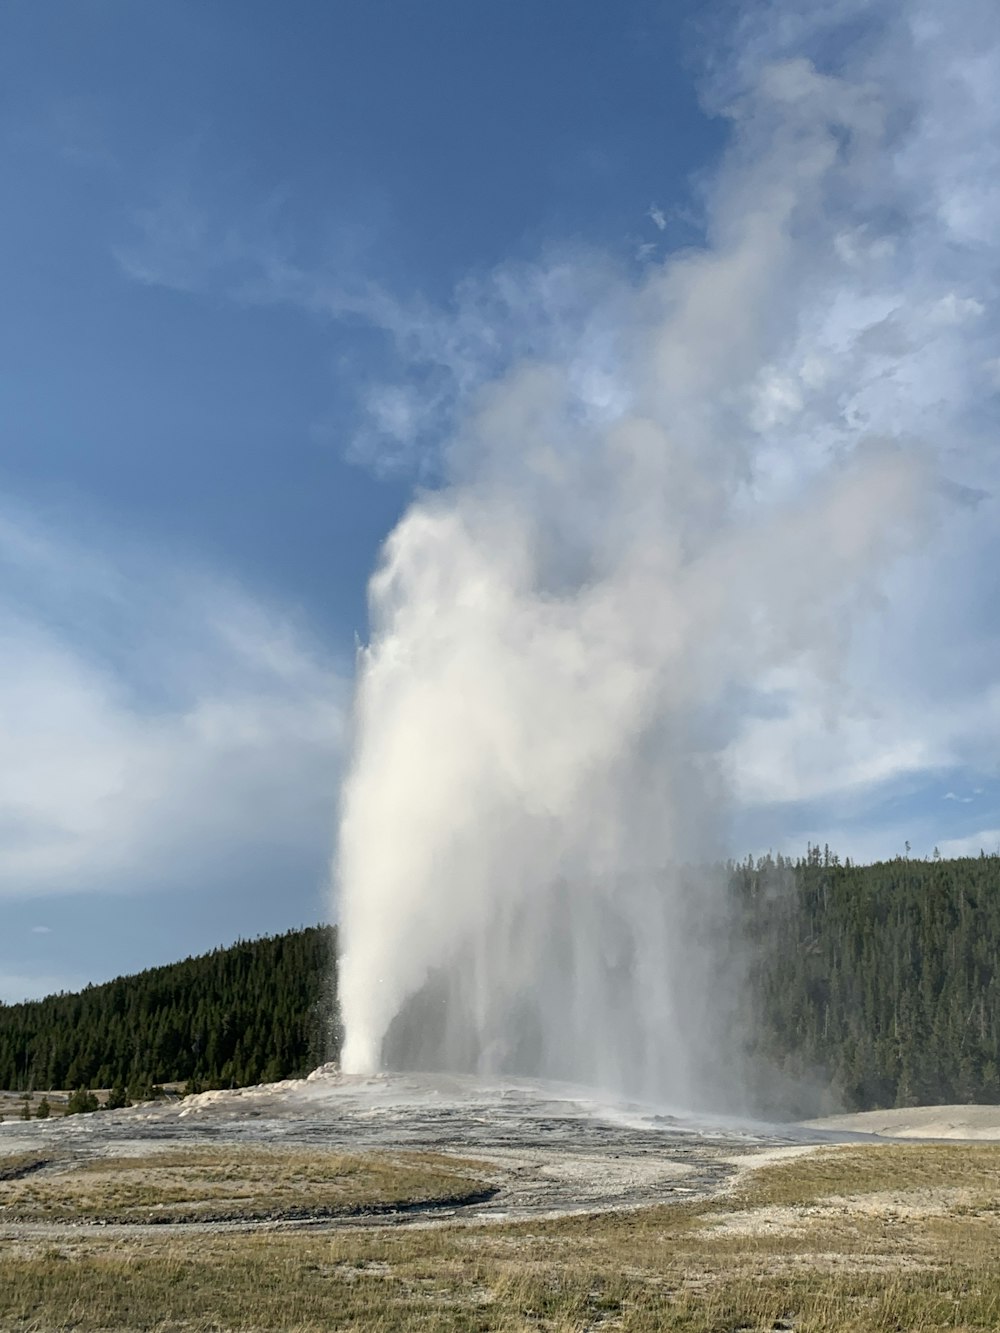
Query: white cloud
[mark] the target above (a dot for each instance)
(18, 986)
(986, 840)
(159, 726)
(815, 748)
(657, 217)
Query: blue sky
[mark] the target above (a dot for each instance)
(256, 261)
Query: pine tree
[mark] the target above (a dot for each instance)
(117, 1097)
(82, 1102)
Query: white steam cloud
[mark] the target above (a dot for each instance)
(660, 516)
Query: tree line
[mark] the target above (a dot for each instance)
(256, 1012)
(880, 983)
(865, 986)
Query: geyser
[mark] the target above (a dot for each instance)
(658, 522)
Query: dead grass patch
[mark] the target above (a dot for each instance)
(233, 1184)
(841, 1270)
(849, 1170)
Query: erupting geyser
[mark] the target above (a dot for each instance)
(655, 522)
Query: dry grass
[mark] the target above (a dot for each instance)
(851, 1264)
(15, 1165)
(231, 1184)
(874, 1168)
(11, 1103)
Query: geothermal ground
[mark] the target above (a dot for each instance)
(420, 1202)
(539, 1148)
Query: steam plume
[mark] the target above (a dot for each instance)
(658, 514)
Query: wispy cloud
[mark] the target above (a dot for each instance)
(657, 217)
(161, 727)
(18, 986)
(433, 358)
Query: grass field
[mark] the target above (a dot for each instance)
(226, 1185)
(850, 1238)
(12, 1103)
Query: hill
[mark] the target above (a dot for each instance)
(863, 986)
(881, 982)
(258, 1011)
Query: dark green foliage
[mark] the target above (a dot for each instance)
(142, 1090)
(225, 1019)
(117, 1098)
(82, 1102)
(44, 1109)
(881, 982)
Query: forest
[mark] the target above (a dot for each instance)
(879, 982)
(865, 986)
(256, 1012)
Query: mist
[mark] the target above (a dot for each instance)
(677, 502)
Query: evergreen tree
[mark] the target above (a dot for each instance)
(82, 1102)
(117, 1097)
(881, 982)
(226, 1018)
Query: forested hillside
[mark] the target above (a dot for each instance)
(879, 983)
(258, 1011)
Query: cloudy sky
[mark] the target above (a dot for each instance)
(260, 264)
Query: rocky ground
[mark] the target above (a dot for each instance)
(546, 1149)
(543, 1149)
